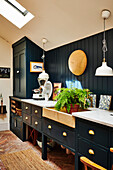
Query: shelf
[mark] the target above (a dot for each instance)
(16, 107)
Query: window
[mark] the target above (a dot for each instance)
(15, 12)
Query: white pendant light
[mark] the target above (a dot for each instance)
(104, 70)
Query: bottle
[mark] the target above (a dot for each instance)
(2, 105)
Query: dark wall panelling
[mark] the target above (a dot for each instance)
(34, 54)
(57, 64)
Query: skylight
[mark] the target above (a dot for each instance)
(15, 12)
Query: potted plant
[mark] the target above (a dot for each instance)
(72, 99)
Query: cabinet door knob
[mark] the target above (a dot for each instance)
(91, 152)
(36, 111)
(26, 108)
(36, 123)
(91, 132)
(17, 71)
(111, 150)
(64, 134)
(49, 127)
(26, 118)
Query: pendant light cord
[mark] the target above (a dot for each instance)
(104, 48)
(43, 57)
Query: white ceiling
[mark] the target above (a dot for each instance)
(60, 21)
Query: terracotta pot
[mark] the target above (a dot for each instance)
(73, 109)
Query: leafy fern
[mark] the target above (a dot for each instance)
(72, 96)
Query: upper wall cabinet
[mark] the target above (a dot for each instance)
(24, 82)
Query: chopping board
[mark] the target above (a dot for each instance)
(77, 62)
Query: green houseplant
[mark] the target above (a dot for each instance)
(70, 98)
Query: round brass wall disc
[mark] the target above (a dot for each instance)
(77, 62)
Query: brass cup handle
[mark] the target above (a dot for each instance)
(91, 132)
(111, 150)
(26, 118)
(64, 134)
(26, 108)
(91, 152)
(49, 127)
(36, 111)
(36, 123)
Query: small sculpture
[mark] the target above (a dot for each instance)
(1, 103)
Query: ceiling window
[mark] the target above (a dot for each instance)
(15, 12)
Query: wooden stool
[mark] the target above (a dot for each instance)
(87, 163)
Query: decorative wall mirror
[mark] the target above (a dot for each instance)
(77, 62)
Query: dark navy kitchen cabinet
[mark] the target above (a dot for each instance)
(16, 124)
(24, 81)
(19, 74)
(111, 158)
(111, 149)
(93, 142)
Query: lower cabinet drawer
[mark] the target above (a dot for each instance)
(27, 118)
(93, 152)
(63, 134)
(26, 107)
(94, 132)
(36, 123)
(36, 111)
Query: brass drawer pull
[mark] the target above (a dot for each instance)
(26, 118)
(36, 111)
(111, 150)
(36, 123)
(49, 127)
(91, 132)
(64, 134)
(91, 152)
(26, 108)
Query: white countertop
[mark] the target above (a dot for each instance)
(41, 103)
(97, 115)
(100, 116)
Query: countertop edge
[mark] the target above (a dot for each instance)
(103, 118)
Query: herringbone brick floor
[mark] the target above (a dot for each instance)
(57, 158)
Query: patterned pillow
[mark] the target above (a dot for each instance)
(105, 101)
(93, 98)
